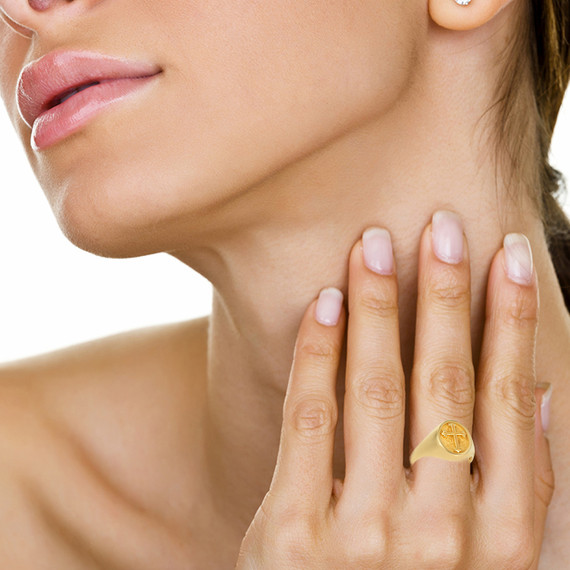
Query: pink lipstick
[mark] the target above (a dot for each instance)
(62, 91)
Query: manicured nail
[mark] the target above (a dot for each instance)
(329, 305)
(518, 257)
(377, 249)
(447, 236)
(545, 405)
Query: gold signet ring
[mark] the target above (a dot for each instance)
(449, 440)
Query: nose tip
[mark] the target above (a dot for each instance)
(28, 17)
(40, 5)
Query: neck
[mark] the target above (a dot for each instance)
(289, 236)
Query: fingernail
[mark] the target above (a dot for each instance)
(377, 249)
(329, 305)
(518, 256)
(545, 405)
(447, 236)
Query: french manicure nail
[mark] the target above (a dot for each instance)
(329, 305)
(545, 406)
(518, 257)
(377, 249)
(447, 236)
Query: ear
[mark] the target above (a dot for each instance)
(451, 15)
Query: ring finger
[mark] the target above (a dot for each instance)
(442, 384)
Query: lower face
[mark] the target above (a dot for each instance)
(246, 89)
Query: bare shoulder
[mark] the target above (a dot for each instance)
(117, 394)
(94, 444)
(178, 343)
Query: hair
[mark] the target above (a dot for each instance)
(551, 68)
(529, 93)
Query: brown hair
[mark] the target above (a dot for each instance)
(551, 68)
(529, 94)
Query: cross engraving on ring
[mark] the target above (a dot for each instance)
(455, 436)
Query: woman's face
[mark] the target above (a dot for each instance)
(246, 88)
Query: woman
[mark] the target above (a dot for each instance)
(256, 142)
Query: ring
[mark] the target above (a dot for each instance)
(449, 440)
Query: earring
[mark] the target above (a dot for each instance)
(463, 2)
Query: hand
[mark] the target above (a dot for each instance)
(435, 514)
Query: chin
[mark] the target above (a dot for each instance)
(118, 214)
(121, 203)
(142, 179)
(108, 221)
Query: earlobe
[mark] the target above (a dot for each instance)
(463, 15)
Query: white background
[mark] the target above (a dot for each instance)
(52, 294)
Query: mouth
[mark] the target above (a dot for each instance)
(68, 93)
(61, 75)
(73, 109)
(58, 99)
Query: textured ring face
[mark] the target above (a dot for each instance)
(454, 437)
(449, 440)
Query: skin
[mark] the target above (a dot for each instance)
(263, 185)
(435, 515)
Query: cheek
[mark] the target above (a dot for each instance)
(258, 73)
(258, 86)
(248, 88)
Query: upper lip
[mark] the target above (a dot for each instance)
(44, 82)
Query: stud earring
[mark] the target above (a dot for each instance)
(463, 2)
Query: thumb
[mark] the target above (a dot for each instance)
(543, 472)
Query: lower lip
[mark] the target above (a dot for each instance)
(61, 121)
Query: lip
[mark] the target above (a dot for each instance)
(45, 87)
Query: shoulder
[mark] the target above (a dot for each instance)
(96, 379)
(116, 396)
(90, 358)
(90, 442)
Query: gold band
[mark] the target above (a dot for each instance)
(449, 440)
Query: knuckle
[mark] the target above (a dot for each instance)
(380, 394)
(293, 541)
(452, 384)
(515, 391)
(518, 549)
(289, 531)
(368, 544)
(448, 543)
(314, 417)
(318, 349)
(520, 310)
(377, 303)
(448, 291)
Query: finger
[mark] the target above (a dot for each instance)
(505, 403)
(374, 405)
(543, 471)
(442, 385)
(303, 476)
